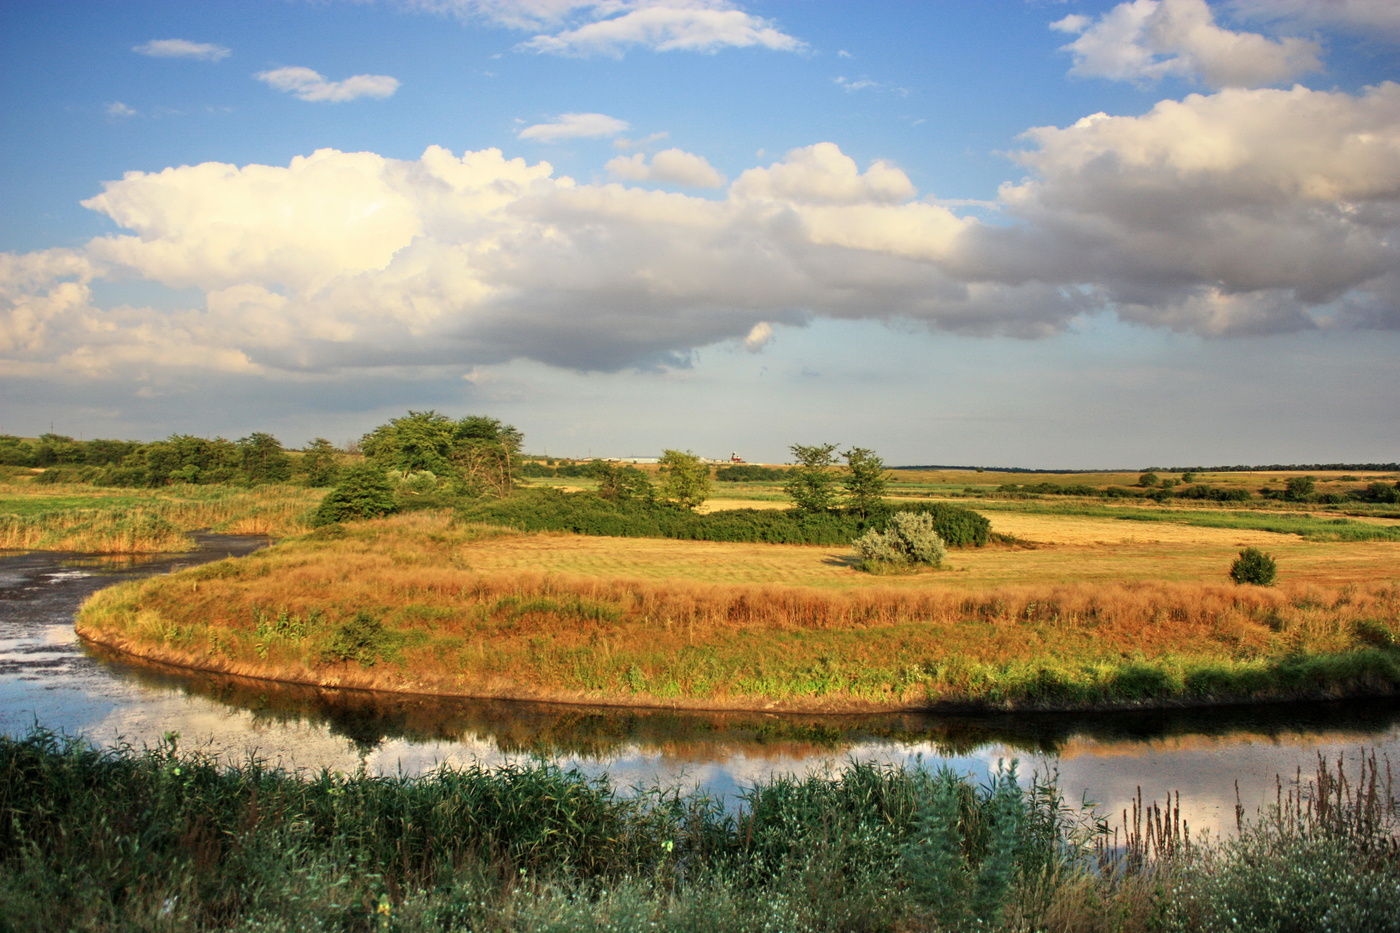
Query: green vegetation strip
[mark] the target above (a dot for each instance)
(1310, 527)
(159, 839)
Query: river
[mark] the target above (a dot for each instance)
(49, 678)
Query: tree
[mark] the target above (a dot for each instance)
(487, 453)
(1148, 479)
(481, 451)
(622, 483)
(865, 481)
(319, 463)
(1300, 488)
(685, 480)
(811, 483)
(420, 440)
(263, 460)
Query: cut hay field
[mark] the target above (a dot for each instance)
(1087, 614)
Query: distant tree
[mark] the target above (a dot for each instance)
(319, 463)
(811, 484)
(1188, 477)
(263, 459)
(622, 483)
(1148, 479)
(685, 480)
(364, 491)
(865, 481)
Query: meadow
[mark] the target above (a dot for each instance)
(422, 603)
(90, 519)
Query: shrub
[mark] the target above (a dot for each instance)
(909, 540)
(364, 491)
(1254, 566)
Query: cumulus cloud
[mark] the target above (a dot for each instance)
(183, 48)
(312, 86)
(673, 166)
(610, 27)
(575, 126)
(1237, 213)
(1144, 41)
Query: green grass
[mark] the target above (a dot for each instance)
(160, 839)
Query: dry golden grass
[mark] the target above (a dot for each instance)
(718, 625)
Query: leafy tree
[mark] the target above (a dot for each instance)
(1254, 566)
(319, 463)
(623, 483)
(263, 459)
(1148, 479)
(481, 451)
(865, 481)
(364, 491)
(487, 453)
(685, 480)
(419, 440)
(811, 483)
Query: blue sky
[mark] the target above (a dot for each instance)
(1012, 232)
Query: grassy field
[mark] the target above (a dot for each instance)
(165, 840)
(70, 517)
(413, 603)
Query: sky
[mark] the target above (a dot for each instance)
(1058, 234)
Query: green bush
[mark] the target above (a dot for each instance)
(908, 540)
(1255, 567)
(588, 514)
(364, 491)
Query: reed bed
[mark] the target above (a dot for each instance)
(153, 521)
(164, 839)
(394, 604)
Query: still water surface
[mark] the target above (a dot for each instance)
(49, 678)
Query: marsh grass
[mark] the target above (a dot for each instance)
(72, 518)
(165, 839)
(444, 627)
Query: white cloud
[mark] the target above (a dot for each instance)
(823, 173)
(183, 48)
(610, 27)
(665, 26)
(673, 166)
(1235, 213)
(575, 126)
(1145, 41)
(118, 109)
(310, 85)
(759, 336)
